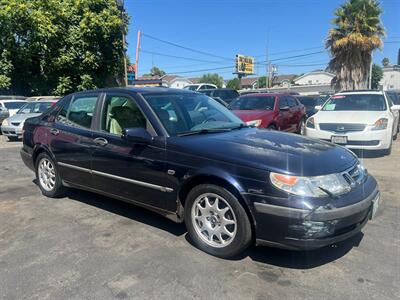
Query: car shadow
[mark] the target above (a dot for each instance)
(127, 210)
(260, 254)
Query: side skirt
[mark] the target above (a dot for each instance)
(168, 214)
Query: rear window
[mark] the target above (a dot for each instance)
(356, 102)
(253, 103)
(13, 105)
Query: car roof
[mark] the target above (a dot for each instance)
(360, 92)
(218, 89)
(265, 94)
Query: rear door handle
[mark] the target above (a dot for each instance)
(54, 131)
(100, 141)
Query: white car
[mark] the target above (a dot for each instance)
(357, 120)
(200, 86)
(12, 105)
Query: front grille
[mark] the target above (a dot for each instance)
(341, 127)
(355, 175)
(15, 123)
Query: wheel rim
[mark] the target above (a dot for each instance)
(47, 174)
(214, 220)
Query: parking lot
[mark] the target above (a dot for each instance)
(86, 246)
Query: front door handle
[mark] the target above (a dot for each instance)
(54, 131)
(100, 141)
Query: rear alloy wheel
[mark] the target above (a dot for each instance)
(47, 176)
(216, 221)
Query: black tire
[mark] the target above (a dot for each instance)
(12, 138)
(243, 236)
(58, 189)
(302, 126)
(388, 151)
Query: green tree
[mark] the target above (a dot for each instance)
(233, 84)
(385, 62)
(155, 71)
(59, 46)
(357, 32)
(377, 74)
(262, 82)
(213, 79)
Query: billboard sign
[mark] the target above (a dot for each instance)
(244, 65)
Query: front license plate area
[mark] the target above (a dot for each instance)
(339, 139)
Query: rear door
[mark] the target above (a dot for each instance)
(70, 137)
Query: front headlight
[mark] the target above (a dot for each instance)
(255, 123)
(5, 122)
(310, 123)
(381, 124)
(315, 186)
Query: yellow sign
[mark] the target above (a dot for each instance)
(244, 64)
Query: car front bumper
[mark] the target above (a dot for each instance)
(302, 229)
(368, 140)
(12, 131)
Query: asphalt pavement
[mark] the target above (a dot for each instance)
(86, 246)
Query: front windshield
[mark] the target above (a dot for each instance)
(253, 103)
(34, 107)
(356, 102)
(14, 105)
(183, 113)
(191, 87)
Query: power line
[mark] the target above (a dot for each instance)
(178, 57)
(290, 51)
(184, 47)
(202, 70)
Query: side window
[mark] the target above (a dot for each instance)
(282, 102)
(63, 110)
(81, 110)
(291, 101)
(121, 112)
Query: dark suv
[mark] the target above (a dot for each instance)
(227, 95)
(190, 159)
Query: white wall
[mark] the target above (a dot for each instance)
(179, 83)
(314, 79)
(390, 79)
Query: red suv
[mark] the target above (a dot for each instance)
(275, 111)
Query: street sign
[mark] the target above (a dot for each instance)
(244, 65)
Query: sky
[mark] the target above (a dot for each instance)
(293, 32)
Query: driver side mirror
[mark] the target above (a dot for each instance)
(395, 107)
(318, 107)
(137, 135)
(285, 108)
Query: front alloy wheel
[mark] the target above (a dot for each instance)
(47, 176)
(216, 221)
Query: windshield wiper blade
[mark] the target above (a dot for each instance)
(202, 131)
(241, 126)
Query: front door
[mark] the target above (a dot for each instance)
(284, 114)
(129, 170)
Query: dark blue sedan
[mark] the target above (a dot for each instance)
(189, 158)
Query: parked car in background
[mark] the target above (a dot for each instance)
(37, 98)
(190, 159)
(200, 86)
(227, 95)
(358, 120)
(271, 110)
(311, 103)
(12, 105)
(12, 126)
(3, 114)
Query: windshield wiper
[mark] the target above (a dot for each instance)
(202, 131)
(241, 126)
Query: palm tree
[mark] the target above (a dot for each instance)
(356, 34)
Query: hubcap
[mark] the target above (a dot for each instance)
(47, 174)
(214, 220)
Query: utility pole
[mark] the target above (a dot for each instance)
(121, 8)
(137, 55)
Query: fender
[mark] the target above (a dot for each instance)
(41, 148)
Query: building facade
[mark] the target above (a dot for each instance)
(391, 78)
(314, 78)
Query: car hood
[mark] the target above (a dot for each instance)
(251, 115)
(267, 150)
(360, 117)
(22, 117)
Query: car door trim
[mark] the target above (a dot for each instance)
(128, 180)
